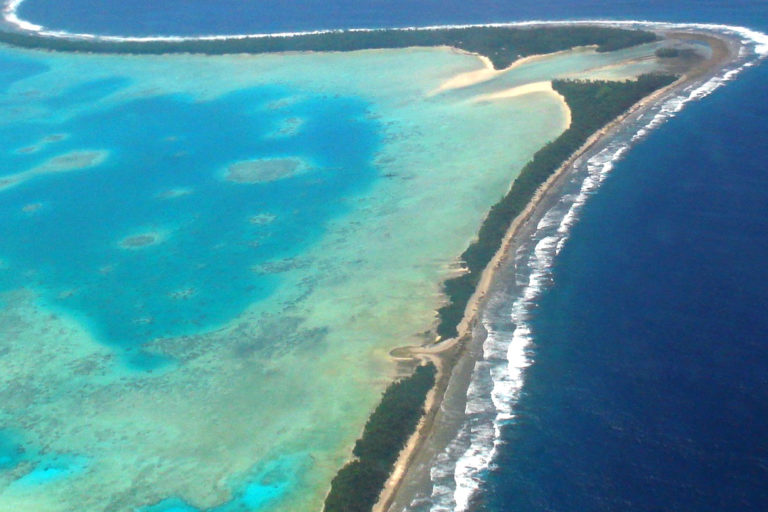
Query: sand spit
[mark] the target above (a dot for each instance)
(415, 459)
(521, 90)
(514, 92)
(489, 72)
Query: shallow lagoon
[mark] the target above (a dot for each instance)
(178, 341)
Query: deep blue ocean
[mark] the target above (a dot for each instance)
(649, 389)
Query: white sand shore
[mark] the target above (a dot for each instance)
(522, 90)
(446, 353)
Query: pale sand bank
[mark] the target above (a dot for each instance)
(514, 92)
(433, 146)
(489, 72)
(522, 90)
(416, 458)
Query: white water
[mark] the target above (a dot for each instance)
(498, 378)
(757, 40)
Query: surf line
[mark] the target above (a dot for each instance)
(507, 355)
(12, 20)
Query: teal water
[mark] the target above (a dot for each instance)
(161, 176)
(10, 451)
(262, 229)
(631, 402)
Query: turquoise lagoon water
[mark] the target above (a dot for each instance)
(205, 261)
(160, 177)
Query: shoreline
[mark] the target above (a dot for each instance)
(447, 355)
(451, 353)
(11, 20)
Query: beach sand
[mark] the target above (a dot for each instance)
(455, 357)
(373, 278)
(522, 90)
(489, 72)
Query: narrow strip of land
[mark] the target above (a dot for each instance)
(446, 352)
(599, 110)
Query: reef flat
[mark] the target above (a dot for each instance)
(470, 348)
(190, 374)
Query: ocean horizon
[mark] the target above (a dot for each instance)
(648, 310)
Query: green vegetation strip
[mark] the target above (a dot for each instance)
(503, 45)
(357, 485)
(593, 104)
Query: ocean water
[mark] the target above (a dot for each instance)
(69, 237)
(646, 387)
(195, 17)
(625, 365)
(641, 384)
(203, 256)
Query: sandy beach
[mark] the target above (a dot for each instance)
(373, 278)
(488, 71)
(455, 357)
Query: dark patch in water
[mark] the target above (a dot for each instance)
(88, 92)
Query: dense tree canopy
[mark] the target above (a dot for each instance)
(593, 104)
(503, 45)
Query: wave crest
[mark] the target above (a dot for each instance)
(499, 376)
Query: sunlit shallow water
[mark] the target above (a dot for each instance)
(205, 261)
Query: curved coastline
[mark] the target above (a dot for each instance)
(12, 21)
(594, 160)
(446, 353)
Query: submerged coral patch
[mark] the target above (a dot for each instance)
(265, 170)
(140, 240)
(288, 127)
(183, 293)
(174, 193)
(54, 137)
(262, 219)
(72, 161)
(31, 207)
(7, 182)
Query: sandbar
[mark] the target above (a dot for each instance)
(489, 72)
(410, 475)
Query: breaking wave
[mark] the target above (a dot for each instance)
(499, 376)
(757, 40)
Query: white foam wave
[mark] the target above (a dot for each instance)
(752, 39)
(506, 355)
(10, 15)
(499, 376)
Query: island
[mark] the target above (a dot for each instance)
(385, 469)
